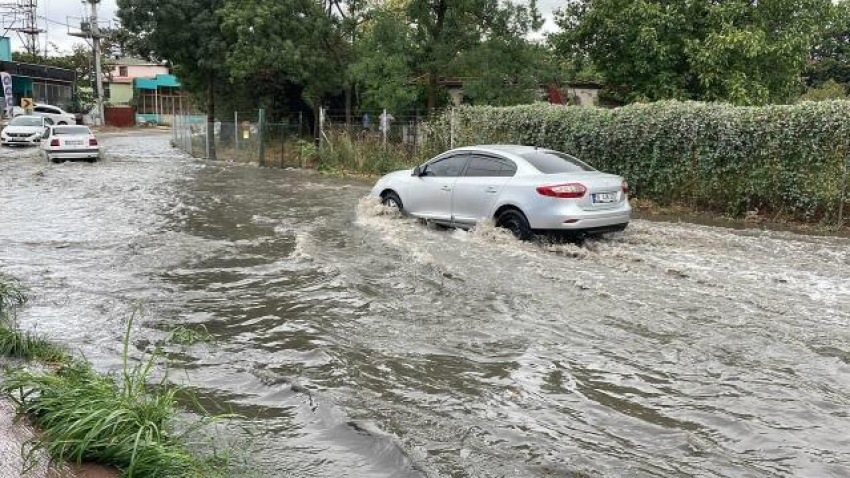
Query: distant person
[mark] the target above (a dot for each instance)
(367, 121)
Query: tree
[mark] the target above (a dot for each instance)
(297, 42)
(829, 59)
(443, 31)
(188, 33)
(741, 51)
(383, 66)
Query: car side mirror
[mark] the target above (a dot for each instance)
(417, 171)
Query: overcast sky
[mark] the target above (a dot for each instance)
(57, 12)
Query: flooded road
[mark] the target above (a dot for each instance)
(356, 343)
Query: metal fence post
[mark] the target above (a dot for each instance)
(236, 130)
(452, 128)
(843, 190)
(208, 126)
(261, 135)
(321, 125)
(385, 125)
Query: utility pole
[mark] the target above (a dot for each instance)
(98, 74)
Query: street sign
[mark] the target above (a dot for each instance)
(27, 103)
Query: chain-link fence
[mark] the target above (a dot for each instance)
(372, 142)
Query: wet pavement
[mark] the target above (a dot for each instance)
(357, 343)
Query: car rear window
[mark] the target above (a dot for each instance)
(71, 130)
(554, 162)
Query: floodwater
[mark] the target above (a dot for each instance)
(357, 343)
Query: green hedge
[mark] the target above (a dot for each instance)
(778, 159)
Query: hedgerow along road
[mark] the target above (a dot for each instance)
(356, 343)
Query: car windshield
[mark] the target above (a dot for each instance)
(71, 130)
(25, 121)
(554, 162)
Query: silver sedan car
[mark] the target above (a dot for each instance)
(525, 189)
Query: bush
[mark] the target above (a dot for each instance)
(831, 90)
(784, 159)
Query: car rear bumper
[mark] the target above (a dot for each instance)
(73, 154)
(581, 220)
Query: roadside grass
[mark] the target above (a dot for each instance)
(12, 294)
(26, 345)
(117, 420)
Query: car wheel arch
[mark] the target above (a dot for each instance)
(504, 207)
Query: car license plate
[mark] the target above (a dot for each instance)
(604, 198)
(74, 143)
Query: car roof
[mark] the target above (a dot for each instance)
(517, 149)
(29, 116)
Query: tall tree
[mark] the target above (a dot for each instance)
(830, 56)
(444, 29)
(188, 33)
(742, 51)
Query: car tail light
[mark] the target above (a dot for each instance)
(625, 187)
(571, 190)
(54, 142)
(92, 141)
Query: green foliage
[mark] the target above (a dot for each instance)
(782, 159)
(366, 154)
(384, 65)
(27, 346)
(830, 90)
(448, 34)
(12, 294)
(738, 51)
(88, 417)
(830, 56)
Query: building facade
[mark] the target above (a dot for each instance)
(45, 84)
(148, 88)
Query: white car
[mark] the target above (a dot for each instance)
(25, 131)
(522, 188)
(70, 142)
(55, 113)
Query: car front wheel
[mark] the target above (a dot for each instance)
(515, 221)
(391, 199)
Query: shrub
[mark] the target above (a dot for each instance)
(785, 159)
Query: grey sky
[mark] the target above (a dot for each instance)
(58, 11)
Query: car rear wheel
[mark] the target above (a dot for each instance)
(515, 221)
(61, 123)
(391, 199)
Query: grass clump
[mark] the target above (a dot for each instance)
(12, 295)
(85, 416)
(88, 417)
(26, 345)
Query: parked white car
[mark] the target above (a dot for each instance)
(63, 143)
(55, 113)
(524, 189)
(25, 130)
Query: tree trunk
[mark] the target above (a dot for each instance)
(211, 118)
(348, 105)
(431, 91)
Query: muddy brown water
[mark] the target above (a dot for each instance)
(357, 343)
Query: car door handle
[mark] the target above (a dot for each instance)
(491, 190)
(446, 188)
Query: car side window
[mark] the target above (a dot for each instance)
(48, 121)
(485, 166)
(447, 167)
(39, 109)
(508, 169)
